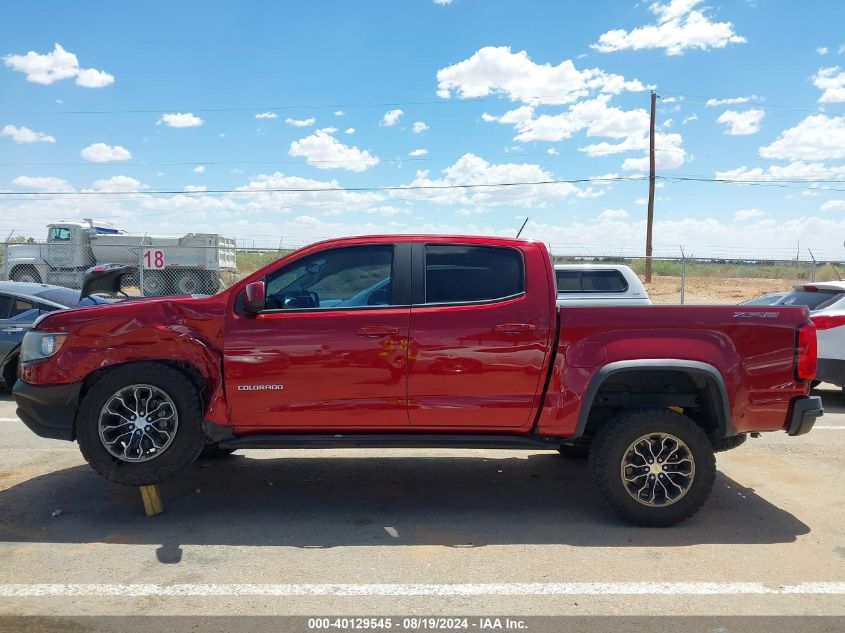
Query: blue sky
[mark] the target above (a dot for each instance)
(132, 99)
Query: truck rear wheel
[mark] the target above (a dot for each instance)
(729, 443)
(189, 282)
(140, 424)
(654, 467)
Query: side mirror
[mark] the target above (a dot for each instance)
(254, 298)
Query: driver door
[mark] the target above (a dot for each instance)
(330, 349)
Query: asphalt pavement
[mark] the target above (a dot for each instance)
(425, 532)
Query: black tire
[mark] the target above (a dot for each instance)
(10, 372)
(26, 274)
(187, 442)
(723, 444)
(189, 282)
(612, 442)
(579, 451)
(155, 285)
(213, 451)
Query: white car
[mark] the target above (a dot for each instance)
(826, 301)
(599, 284)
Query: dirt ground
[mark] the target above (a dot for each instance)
(664, 289)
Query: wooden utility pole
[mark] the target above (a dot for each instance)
(650, 190)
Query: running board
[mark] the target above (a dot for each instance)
(389, 440)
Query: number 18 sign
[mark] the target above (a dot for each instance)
(153, 259)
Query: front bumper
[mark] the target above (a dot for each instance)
(803, 415)
(48, 410)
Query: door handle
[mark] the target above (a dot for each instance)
(11, 330)
(376, 331)
(515, 328)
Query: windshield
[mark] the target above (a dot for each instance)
(63, 296)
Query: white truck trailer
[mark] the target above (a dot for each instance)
(190, 264)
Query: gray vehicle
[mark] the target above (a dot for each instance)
(20, 305)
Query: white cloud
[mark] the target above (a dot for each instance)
(679, 27)
(419, 127)
(57, 65)
(690, 119)
(748, 214)
(301, 122)
(349, 130)
(339, 113)
(832, 82)
(834, 205)
(391, 117)
(641, 201)
(497, 70)
(266, 115)
(25, 135)
(418, 152)
(198, 169)
(324, 151)
(472, 169)
(713, 103)
(741, 123)
(796, 170)
(47, 183)
(597, 119)
(822, 50)
(668, 123)
(608, 215)
(195, 188)
(118, 183)
(93, 78)
(443, 3)
(592, 115)
(180, 119)
(552, 151)
(817, 137)
(102, 153)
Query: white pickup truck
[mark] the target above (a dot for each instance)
(599, 284)
(188, 264)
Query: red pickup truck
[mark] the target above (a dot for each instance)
(421, 341)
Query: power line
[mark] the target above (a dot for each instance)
(66, 192)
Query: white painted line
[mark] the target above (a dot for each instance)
(9, 420)
(829, 428)
(504, 589)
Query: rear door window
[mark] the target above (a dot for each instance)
(464, 274)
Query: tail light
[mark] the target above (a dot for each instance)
(806, 353)
(828, 321)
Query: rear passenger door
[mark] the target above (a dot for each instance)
(478, 337)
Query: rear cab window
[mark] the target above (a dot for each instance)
(569, 281)
(457, 273)
(812, 299)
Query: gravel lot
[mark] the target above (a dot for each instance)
(435, 532)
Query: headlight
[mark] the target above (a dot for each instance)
(39, 345)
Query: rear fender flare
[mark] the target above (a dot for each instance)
(721, 404)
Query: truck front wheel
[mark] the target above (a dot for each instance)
(140, 424)
(654, 467)
(25, 274)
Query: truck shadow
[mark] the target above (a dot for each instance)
(317, 501)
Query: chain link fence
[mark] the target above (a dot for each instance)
(698, 280)
(204, 264)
